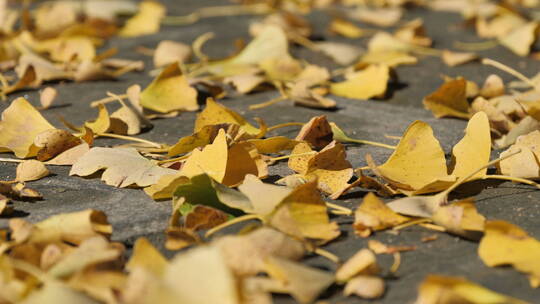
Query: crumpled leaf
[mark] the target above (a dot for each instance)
(123, 167)
(329, 167)
(368, 83)
(170, 91)
(146, 21)
(18, 134)
(450, 99)
(303, 283)
(201, 138)
(30, 170)
(317, 132)
(374, 215)
(438, 289)
(506, 244)
(460, 218)
(216, 113)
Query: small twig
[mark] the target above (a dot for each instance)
(344, 210)
(327, 254)
(397, 262)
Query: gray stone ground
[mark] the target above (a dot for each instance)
(133, 214)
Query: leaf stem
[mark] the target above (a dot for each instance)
(510, 71)
(371, 143)
(234, 221)
(284, 125)
(130, 138)
(292, 155)
(327, 254)
(514, 179)
(345, 210)
(267, 103)
(106, 100)
(476, 46)
(173, 159)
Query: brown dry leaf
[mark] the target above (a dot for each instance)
(146, 21)
(374, 215)
(72, 228)
(18, 134)
(520, 39)
(368, 83)
(168, 52)
(329, 167)
(452, 59)
(246, 254)
(506, 244)
(365, 286)
(201, 217)
(30, 170)
(170, 91)
(123, 167)
(54, 142)
(317, 132)
(450, 100)
(216, 113)
(303, 214)
(437, 289)
(47, 97)
(364, 262)
(303, 283)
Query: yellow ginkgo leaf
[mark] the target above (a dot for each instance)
(520, 39)
(417, 161)
(525, 163)
(216, 113)
(374, 215)
(20, 124)
(212, 159)
(270, 44)
(170, 91)
(30, 170)
(506, 244)
(201, 138)
(303, 214)
(437, 289)
(389, 58)
(146, 21)
(302, 282)
(449, 100)
(123, 167)
(365, 84)
(474, 149)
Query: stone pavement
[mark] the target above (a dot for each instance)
(133, 214)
